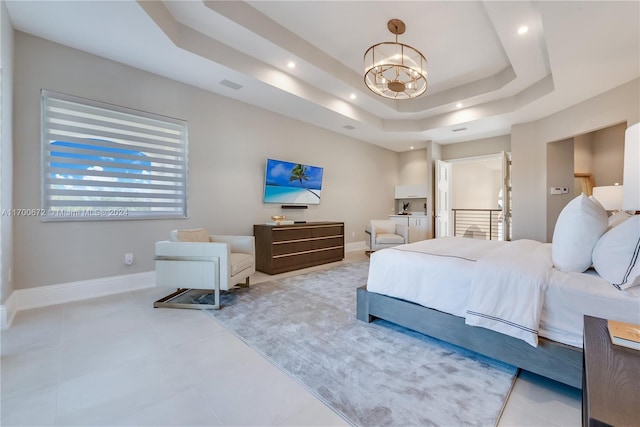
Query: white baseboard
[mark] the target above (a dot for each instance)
(355, 246)
(43, 296)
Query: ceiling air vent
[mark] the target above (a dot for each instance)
(458, 129)
(230, 84)
(348, 127)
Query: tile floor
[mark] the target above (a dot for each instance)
(116, 361)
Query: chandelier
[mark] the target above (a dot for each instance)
(395, 70)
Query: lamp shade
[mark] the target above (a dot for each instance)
(631, 180)
(609, 196)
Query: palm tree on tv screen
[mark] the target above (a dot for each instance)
(299, 173)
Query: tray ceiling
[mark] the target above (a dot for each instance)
(483, 75)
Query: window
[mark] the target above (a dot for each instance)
(101, 161)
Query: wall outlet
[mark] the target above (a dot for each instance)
(565, 190)
(128, 258)
(556, 190)
(353, 234)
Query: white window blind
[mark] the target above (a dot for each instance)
(101, 161)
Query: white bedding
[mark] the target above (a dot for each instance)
(508, 286)
(438, 273)
(435, 273)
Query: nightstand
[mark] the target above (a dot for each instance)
(610, 379)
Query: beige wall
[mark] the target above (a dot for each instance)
(608, 154)
(229, 143)
(479, 147)
(474, 186)
(529, 146)
(583, 153)
(412, 167)
(6, 153)
(601, 154)
(560, 162)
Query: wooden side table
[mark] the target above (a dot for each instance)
(610, 379)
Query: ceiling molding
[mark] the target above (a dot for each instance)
(573, 51)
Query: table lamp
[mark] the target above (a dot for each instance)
(609, 196)
(631, 193)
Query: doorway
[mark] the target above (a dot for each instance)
(580, 163)
(473, 197)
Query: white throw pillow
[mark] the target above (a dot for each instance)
(617, 219)
(579, 226)
(616, 256)
(193, 235)
(384, 226)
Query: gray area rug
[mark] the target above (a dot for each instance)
(376, 374)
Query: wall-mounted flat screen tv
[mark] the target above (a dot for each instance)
(292, 183)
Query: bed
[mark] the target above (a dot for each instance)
(505, 300)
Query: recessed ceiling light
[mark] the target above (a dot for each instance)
(352, 96)
(291, 64)
(459, 105)
(411, 148)
(523, 30)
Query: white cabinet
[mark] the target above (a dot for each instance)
(418, 226)
(416, 191)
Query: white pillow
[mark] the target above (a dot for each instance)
(384, 226)
(579, 226)
(616, 256)
(617, 219)
(191, 235)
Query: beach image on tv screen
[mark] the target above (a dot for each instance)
(294, 183)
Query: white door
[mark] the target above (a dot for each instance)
(505, 225)
(443, 198)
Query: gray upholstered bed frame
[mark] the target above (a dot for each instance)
(551, 359)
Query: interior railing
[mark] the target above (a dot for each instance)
(484, 224)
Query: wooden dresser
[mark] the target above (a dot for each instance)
(281, 248)
(611, 379)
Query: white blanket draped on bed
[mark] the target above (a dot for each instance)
(508, 288)
(435, 273)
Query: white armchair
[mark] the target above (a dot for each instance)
(193, 259)
(385, 233)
